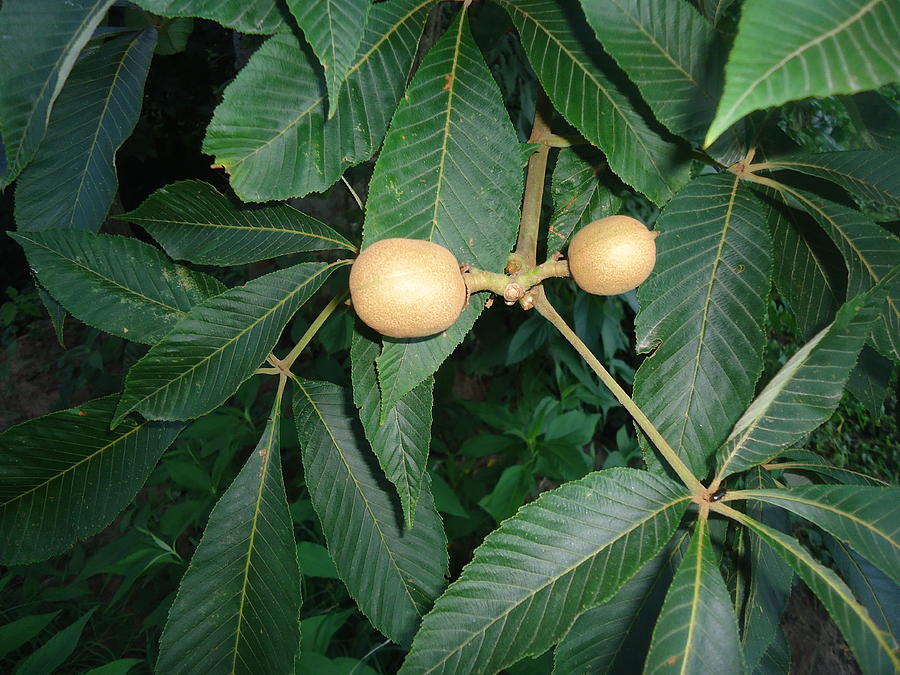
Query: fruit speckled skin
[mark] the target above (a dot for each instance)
(612, 255)
(407, 288)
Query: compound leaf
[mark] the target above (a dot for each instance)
(117, 284)
(571, 67)
(218, 345)
(566, 552)
(400, 442)
(614, 637)
(246, 16)
(809, 462)
(875, 649)
(65, 476)
(270, 132)
(72, 179)
(806, 390)
(394, 574)
(464, 192)
(705, 307)
(238, 605)
(870, 176)
(39, 43)
(870, 252)
(193, 221)
(866, 518)
(697, 630)
(839, 47)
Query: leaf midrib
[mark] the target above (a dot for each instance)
(237, 337)
(273, 422)
(624, 533)
(362, 493)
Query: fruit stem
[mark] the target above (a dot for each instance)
(526, 246)
(482, 280)
(310, 333)
(545, 309)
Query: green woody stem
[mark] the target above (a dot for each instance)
(545, 309)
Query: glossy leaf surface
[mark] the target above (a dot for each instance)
(400, 442)
(218, 345)
(65, 476)
(34, 70)
(570, 65)
(193, 221)
(614, 637)
(71, 181)
(697, 630)
(117, 284)
(270, 131)
(238, 605)
(566, 552)
(334, 29)
(875, 650)
(867, 518)
(246, 16)
(804, 393)
(394, 574)
(839, 47)
(464, 192)
(667, 49)
(703, 310)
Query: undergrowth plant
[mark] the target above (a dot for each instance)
(682, 566)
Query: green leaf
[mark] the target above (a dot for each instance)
(193, 221)
(33, 70)
(867, 518)
(465, 193)
(54, 653)
(804, 393)
(877, 593)
(614, 637)
(870, 379)
(117, 284)
(777, 659)
(245, 16)
(669, 51)
(174, 36)
(16, 633)
(566, 552)
(117, 667)
(72, 180)
(870, 253)
(334, 29)
(839, 47)
(56, 312)
(505, 498)
(315, 561)
(579, 195)
(808, 268)
(697, 630)
(401, 442)
(870, 176)
(280, 145)
(703, 310)
(573, 71)
(238, 605)
(806, 461)
(65, 476)
(771, 580)
(394, 574)
(218, 345)
(874, 649)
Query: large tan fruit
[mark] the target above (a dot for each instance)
(612, 255)
(407, 288)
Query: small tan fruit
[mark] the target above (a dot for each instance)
(612, 255)
(407, 288)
